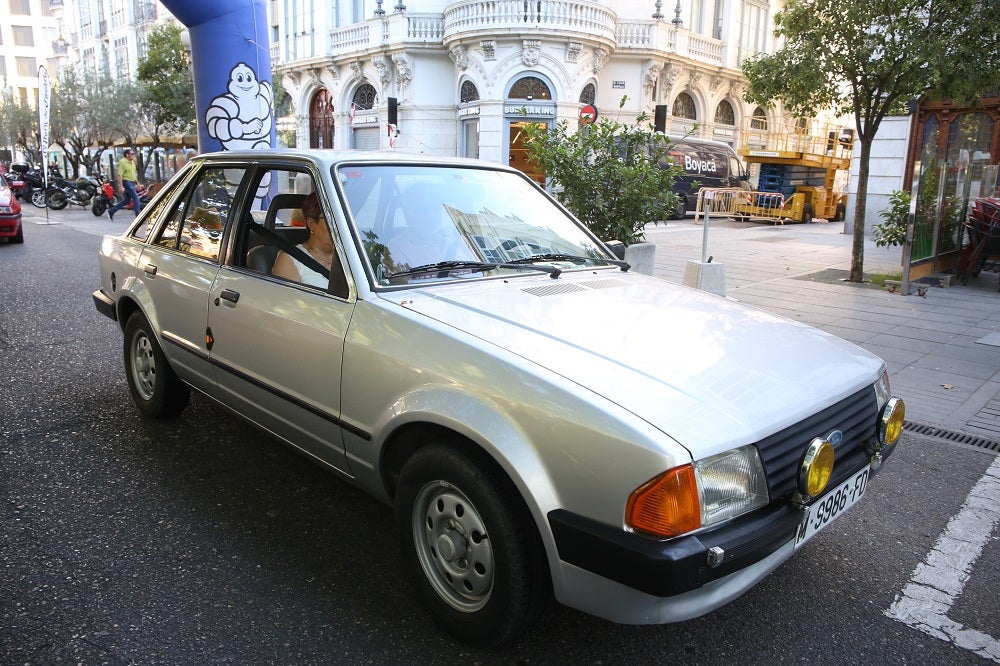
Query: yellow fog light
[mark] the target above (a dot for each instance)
(817, 466)
(890, 427)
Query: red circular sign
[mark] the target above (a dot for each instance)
(588, 114)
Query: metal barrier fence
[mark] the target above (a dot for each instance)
(742, 204)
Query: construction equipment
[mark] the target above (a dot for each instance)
(805, 161)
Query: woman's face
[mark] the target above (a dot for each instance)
(319, 233)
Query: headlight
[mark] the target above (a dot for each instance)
(890, 425)
(882, 391)
(705, 493)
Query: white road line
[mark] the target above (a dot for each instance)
(937, 582)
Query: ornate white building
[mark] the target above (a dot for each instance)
(467, 74)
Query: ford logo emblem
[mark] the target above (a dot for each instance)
(836, 438)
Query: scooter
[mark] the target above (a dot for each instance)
(63, 192)
(27, 184)
(104, 199)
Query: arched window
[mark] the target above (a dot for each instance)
(588, 94)
(364, 97)
(684, 107)
(724, 114)
(469, 92)
(758, 120)
(530, 87)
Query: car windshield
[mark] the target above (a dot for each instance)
(432, 223)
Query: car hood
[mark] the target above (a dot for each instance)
(709, 372)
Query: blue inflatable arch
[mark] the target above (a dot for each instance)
(231, 62)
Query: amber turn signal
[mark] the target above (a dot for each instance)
(667, 505)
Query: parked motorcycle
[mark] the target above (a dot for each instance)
(27, 183)
(105, 198)
(63, 192)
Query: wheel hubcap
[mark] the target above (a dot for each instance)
(453, 546)
(143, 366)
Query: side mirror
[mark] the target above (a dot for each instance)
(617, 248)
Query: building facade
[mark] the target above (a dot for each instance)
(466, 75)
(29, 39)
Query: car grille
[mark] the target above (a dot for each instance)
(782, 452)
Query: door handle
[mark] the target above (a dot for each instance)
(228, 295)
(150, 269)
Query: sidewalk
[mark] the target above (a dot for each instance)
(942, 350)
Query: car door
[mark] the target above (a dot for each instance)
(179, 266)
(276, 344)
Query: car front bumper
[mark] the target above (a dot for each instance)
(9, 225)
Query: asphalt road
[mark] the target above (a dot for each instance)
(200, 540)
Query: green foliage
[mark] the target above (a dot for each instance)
(893, 230)
(608, 174)
(165, 85)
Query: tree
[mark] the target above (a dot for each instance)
(166, 89)
(83, 116)
(869, 59)
(19, 127)
(614, 177)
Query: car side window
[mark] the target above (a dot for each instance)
(292, 238)
(196, 222)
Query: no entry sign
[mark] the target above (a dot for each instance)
(588, 114)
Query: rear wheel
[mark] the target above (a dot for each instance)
(99, 206)
(155, 389)
(807, 213)
(55, 199)
(38, 198)
(469, 546)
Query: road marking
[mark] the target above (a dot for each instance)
(937, 582)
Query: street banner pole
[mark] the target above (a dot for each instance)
(44, 102)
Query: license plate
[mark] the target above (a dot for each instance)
(833, 504)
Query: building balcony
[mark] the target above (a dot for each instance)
(566, 19)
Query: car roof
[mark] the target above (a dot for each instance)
(331, 158)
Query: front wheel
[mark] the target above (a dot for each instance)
(155, 389)
(55, 199)
(38, 198)
(469, 546)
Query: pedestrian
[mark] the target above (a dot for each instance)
(126, 184)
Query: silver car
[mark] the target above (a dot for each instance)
(544, 421)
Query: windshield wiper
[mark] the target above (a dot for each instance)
(557, 256)
(443, 268)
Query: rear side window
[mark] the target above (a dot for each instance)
(195, 223)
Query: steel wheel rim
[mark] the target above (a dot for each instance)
(143, 366)
(453, 547)
(38, 198)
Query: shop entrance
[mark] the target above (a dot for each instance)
(518, 152)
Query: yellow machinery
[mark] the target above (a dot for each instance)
(805, 162)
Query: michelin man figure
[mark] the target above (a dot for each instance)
(241, 119)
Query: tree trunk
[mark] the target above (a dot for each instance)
(860, 204)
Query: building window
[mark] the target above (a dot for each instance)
(588, 94)
(530, 87)
(724, 114)
(118, 17)
(23, 35)
(684, 107)
(469, 92)
(121, 58)
(26, 66)
(753, 28)
(758, 120)
(20, 8)
(364, 97)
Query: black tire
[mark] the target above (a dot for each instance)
(19, 236)
(38, 198)
(807, 214)
(55, 199)
(99, 207)
(680, 210)
(494, 582)
(155, 389)
(841, 213)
